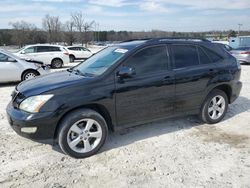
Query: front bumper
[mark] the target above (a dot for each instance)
(43, 71)
(39, 127)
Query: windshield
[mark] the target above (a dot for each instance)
(100, 62)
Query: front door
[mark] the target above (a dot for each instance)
(149, 93)
(9, 70)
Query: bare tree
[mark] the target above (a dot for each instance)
(69, 34)
(22, 32)
(53, 26)
(82, 27)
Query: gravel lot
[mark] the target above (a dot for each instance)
(174, 153)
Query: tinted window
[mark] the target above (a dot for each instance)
(47, 49)
(213, 56)
(73, 48)
(53, 49)
(185, 56)
(204, 59)
(149, 60)
(42, 49)
(30, 50)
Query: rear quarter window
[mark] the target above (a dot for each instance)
(212, 55)
(204, 59)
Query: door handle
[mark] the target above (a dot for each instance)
(166, 78)
(212, 71)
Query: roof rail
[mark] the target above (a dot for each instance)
(130, 40)
(169, 39)
(179, 38)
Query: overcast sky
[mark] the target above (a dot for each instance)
(135, 15)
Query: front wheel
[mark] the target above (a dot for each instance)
(214, 107)
(29, 74)
(82, 133)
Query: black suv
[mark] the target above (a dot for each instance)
(125, 85)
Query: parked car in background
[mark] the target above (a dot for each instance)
(242, 54)
(12, 68)
(78, 52)
(124, 85)
(54, 55)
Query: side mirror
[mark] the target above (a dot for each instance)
(22, 52)
(126, 72)
(10, 59)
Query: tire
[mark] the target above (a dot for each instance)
(71, 58)
(74, 135)
(214, 107)
(29, 74)
(56, 63)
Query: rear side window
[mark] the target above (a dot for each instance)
(204, 59)
(185, 55)
(48, 49)
(149, 60)
(213, 56)
(53, 49)
(74, 48)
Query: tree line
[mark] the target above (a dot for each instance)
(78, 30)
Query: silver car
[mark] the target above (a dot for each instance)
(12, 68)
(242, 54)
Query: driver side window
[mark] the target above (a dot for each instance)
(30, 50)
(149, 60)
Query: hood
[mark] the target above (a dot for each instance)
(49, 82)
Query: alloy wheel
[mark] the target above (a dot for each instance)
(84, 135)
(216, 107)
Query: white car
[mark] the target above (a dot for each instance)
(12, 68)
(78, 52)
(53, 55)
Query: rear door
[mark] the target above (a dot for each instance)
(149, 94)
(193, 70)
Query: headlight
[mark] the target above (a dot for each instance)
(33, 104)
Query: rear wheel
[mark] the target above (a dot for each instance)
(56, 63)
(82, 133)
(29, 74)
(215, 107)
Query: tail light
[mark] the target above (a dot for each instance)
(66, 53)
(245, 53)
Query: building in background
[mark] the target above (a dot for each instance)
(240, 41)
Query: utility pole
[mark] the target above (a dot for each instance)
(239, 29)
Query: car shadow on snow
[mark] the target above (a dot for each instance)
(141, 132)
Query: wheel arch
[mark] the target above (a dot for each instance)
(102, 110)
(225, 88)
(55, 58)
(26, 70)
(72, 55)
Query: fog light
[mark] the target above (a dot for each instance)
(29, 129)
